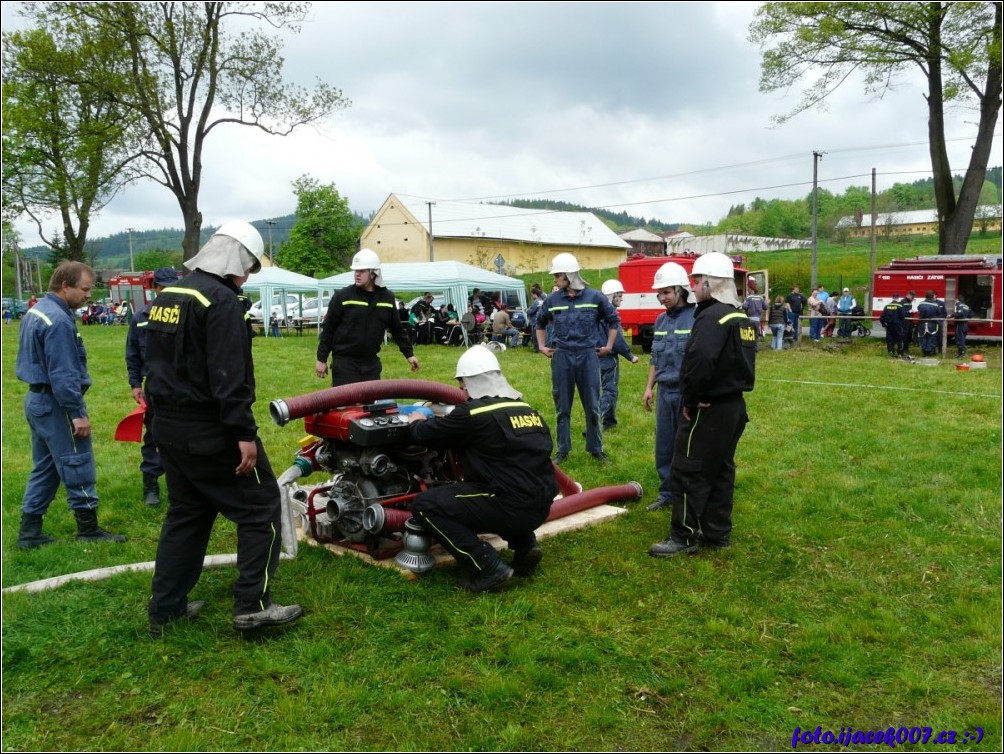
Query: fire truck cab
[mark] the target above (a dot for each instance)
(977, 277)
(640, 306)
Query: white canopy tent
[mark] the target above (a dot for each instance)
(274, 284)
(455, 280)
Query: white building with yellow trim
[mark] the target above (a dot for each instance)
(508, 240)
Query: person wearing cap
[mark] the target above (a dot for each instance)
(135, 357)
(718, 367)
(669, 342)
(504, 447)
(906, 310)
(931, 313)
(892, 320)
(52, 360)
(573, 312)
(358, 316)
(200, 382)
(845, 305)
(610, 370)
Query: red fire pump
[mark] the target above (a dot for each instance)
(360, 436)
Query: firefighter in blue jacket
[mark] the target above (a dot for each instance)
(200, 382)
(610, 370)
(961, 314)
(51, 359)
(718, 367)
(504, 448)
(135, 357)
(931, 313)
(576, 311)
(669, 342)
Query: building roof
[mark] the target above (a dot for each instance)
(912, 217)
(471, 220)
(640, 234)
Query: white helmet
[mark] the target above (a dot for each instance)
(611, 287)
(714, 264)
(245, 234)
(564, 262)
(365, 259)
(477, 360)
(668, 275)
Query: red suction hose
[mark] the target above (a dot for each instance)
(581, 501)
(284, 410)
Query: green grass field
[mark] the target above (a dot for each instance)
(863, 589)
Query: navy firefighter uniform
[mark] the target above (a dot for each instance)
(575, 364)
(892, 320)
(504, 447)
(669, 344)
(200, 381)
(718, 367)
(52, 360)
(353, 332)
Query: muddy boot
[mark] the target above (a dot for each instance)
(88, 529)
(151, 490)
(31, 535)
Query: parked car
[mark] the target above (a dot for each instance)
(312, 312)
(292, 306)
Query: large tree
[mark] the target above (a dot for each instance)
(67, 145)
(956, 45)
(324, 237)
(192, 67)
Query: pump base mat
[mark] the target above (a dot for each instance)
(571, 522)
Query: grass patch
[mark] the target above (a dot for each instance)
(863, 589)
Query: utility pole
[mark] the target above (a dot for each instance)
(132, 262)
(816, 157)
(871, 275)
(432, 254)
(271, 252)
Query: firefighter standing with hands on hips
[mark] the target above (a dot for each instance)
(354, 326)
(200, 382)
(504, 448)
(718, 367)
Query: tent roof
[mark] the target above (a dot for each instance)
(436, 276)
(275, 277)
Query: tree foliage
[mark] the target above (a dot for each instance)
(956, 45)
(190, 68)
(324, 237)
(68, 143)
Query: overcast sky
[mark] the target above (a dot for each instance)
(652, 108)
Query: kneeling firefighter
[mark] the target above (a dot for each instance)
(504, 447)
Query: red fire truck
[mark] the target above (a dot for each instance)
(977, 277)
(640, 305)
(134, 287)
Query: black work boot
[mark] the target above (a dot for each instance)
(488, 579)
(88, 529)
(525, 560)
(151, 490)
(31, 535)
